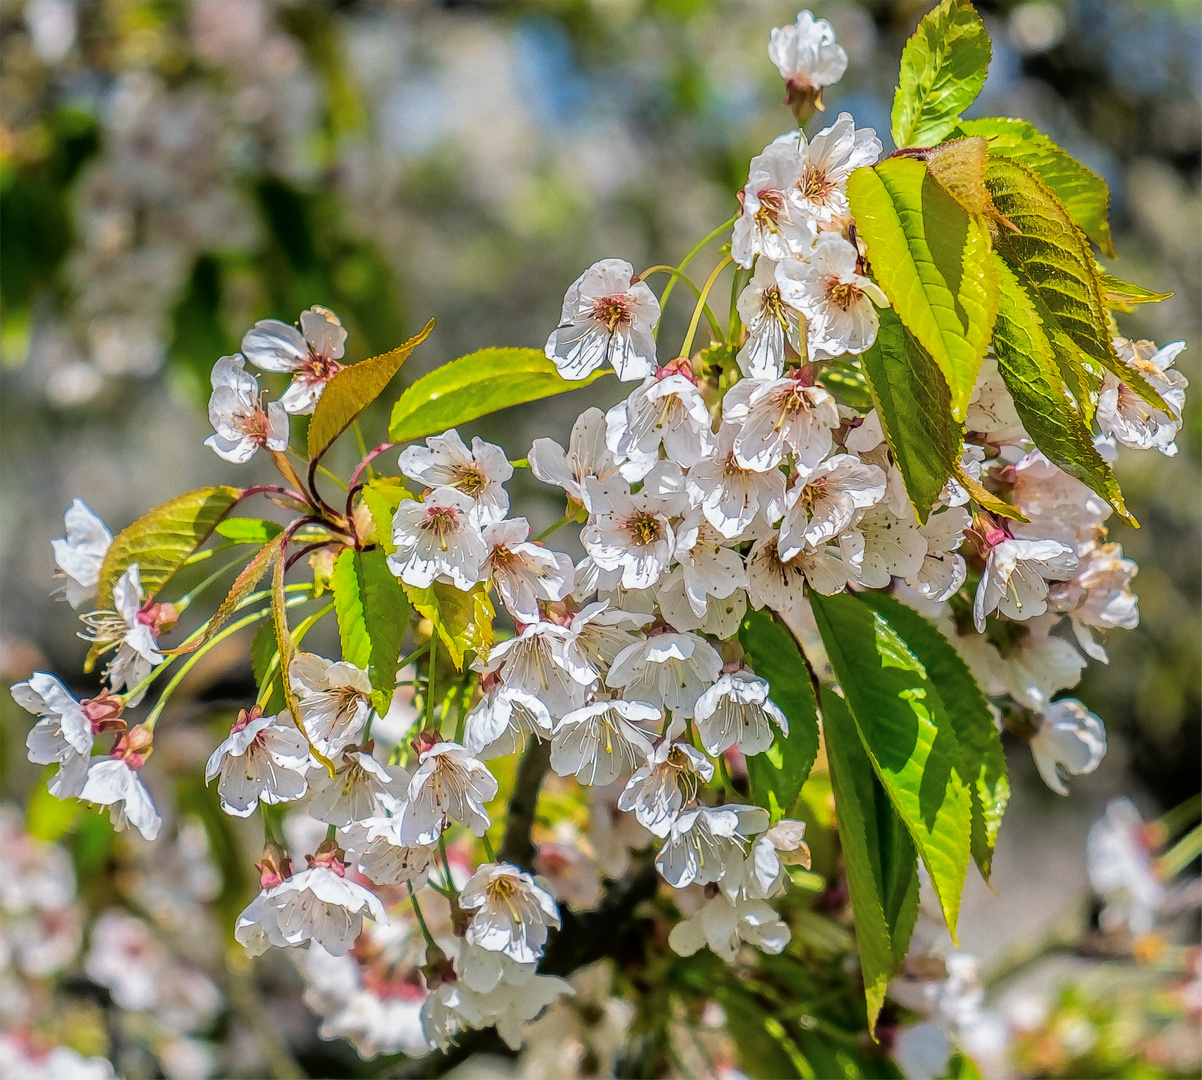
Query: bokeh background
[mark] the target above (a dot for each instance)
(170, 172)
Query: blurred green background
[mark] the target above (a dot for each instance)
(170, 172)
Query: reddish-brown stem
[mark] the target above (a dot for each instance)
(372, 454)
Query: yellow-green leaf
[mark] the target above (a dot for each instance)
(933, 260)
(910, 740)
(351, 390)
(161, 540)
(244, 530)
(382, 496)
(912, 401)
(1119, 296)
(476, 385)
(463, 619)
(373, 614)
(1027, 364)
(1084, 193)
(943, 68)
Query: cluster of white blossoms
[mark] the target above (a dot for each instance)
(696, 506)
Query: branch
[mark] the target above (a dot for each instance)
(517, 847)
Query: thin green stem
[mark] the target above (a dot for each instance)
(686, 348)
(1182, 853)
(362, 444)
(696, 248)
(430, 679)
(332, 476)
(417, 910)
(415, 655)
(208, 553)
(488, 851)
(1183, 814)
(553, 528)
(298, 635)
(185, 601)
(446, 862)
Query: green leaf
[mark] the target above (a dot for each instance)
(161, 540)
(1053, 253)
(463, 619)
(1027, 363)
(762, 1055)
(351, 390)
(473, 386)
(778, 773)
(244, 530)
(982, 759)
(985, 498)
(1084, 194)
(845, 379)
(1119, 296)
(933, 260)
(878, 855)
(943, 68)
(912, 401)
(373, 614)
(382, 496)
(910, 740)
(47, 818)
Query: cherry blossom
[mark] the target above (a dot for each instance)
(545, 661)
(334, 700)
(631, 532)
(669, 670)
(724, 924)
(479, 473)
(731, 496)
(607, 317)
(80, 554)
(358, 789)
(241, 423)
(523, 572)
(1122, 413)
(499, 724)
(666, 409)
(737, 711)
(827, 500)
(770, 222)
(263, 759)
(1122, 869)
(511, 912)
(704, 843)
(806, 55)
(63, 734)
(447, 785)
(113, 781)
(439, 539)
(133, 627)
(1098, 596)
(1070, 741)
(705, 565)
(670, 778)
(827, 160)
(311, 355)
(775, 417)
(1016, 577)
(601, 741)
(587, 455)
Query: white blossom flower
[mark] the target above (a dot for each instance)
(775, 417)
(666, 409)
(511, 912)
(133, 627)
(438, 538)
(607, 316)
(545, 662)
(779, 584)
(838, 303)
(479, 473)
(806, 55)
(318, 904)
(113, 782)
(764, 872)
(263, 759)
(881, 546)
(523, 572)
(334, 697)
(587, 455)
(570, 868)
(241, 423)
(447, 785)
(771, 325)
(1125, 415)
(505, 716)
(991, 408)
(731, 496)
(943, 570)
(704, 843)
(1098, 596)
(612, 833)
(827, 160)
(80, 554)
(359, 788)
(737, 711)
(666, 782)
(603, 630)
(629, 531)
(63, 735)
(721, 618)
(451, 1007)
(1036, 667)
(1059, 506)
(311, 354)
(485, 970)
(827, 500)
(1122, 869)
(706, 566)
(1015, 581)
(600, 742)
(1070, 741)
(376, 845)
(724, 924)
(668, 670)
(769, 222)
